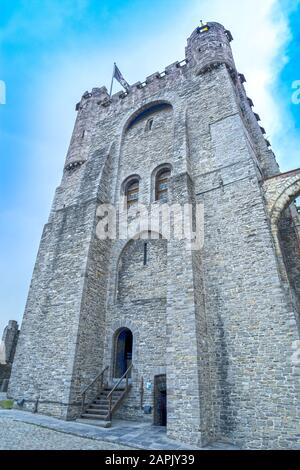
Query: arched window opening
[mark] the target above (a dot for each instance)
(132, 192)
(162, 185)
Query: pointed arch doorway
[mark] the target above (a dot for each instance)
(122, 351)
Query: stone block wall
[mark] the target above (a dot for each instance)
(10, 339)
(220, 322)
(8, 348)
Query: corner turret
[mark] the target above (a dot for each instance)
(209, 45)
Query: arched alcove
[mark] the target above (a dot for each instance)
(142, 268)
(147, 112)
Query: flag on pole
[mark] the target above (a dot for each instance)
(119, 77)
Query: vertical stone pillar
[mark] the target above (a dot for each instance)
(183, 322)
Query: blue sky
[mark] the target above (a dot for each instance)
(51, 51)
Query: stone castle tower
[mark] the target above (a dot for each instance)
(207, 339)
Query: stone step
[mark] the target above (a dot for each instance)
(104, 395)
(94, 422)
(94, 416)
(108, 390)
(103, 409)
(96, 412)
(96, 406)
(101, 402)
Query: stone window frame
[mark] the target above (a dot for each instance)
(127, 183)
(154, 180)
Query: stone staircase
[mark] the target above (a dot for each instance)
(97, 413)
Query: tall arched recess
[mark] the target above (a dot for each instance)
(281, 192)
(147, 142)
(142, 269)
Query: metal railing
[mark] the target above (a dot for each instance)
(110, 395)
(98, 380)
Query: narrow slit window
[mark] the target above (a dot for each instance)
(145, 253)
(149, 125)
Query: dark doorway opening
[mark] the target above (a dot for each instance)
(160, 400)
(123, 352)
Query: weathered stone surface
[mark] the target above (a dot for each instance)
(221, 322)
(9, 340)
(7, 352)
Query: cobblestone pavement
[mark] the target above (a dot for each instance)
(23, 430)
(16, 435)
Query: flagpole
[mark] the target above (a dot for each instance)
(112, 80)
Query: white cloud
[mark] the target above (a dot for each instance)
(258, 39)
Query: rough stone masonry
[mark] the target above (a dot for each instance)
(218, 327)
(8, 346)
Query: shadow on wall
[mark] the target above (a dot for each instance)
(227, 421)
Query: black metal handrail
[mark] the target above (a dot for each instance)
(98, 377)
(110, 395)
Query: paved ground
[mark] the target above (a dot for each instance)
(21, 430)
(22, 436)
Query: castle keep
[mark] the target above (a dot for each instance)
(204, 341)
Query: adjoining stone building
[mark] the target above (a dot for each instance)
(7, 352)
(212, 335)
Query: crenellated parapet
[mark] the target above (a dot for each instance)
(205, 50)
(208, 48)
